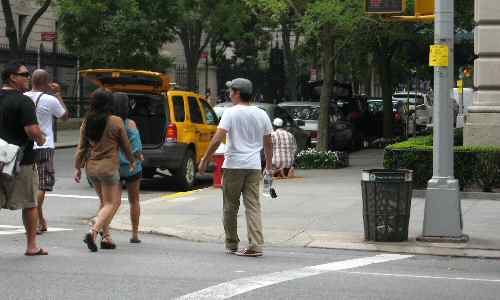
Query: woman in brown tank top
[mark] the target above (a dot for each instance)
(101, 137)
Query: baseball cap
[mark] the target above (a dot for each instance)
(278, 122)
(241, 84)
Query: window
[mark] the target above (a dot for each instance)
(179, 113)
(209, 113)
(194, 111)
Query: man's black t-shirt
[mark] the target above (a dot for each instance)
(16, 112)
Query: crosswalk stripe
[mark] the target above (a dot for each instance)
(76, 196)
(20, 229)
(244, 285)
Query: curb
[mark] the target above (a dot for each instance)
(416, 248)
(66, 146)
(465, 195)
(410, 249)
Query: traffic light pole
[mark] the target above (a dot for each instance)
(443, 216)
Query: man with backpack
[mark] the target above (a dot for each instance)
(19, 126)
(47, 107)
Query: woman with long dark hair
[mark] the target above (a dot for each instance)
(101, 137)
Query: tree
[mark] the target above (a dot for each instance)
(200, 23)
(329, 22)
(117, 33)
(332, 23)
(18, 41)
(284, 16)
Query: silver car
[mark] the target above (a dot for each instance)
(341, 130)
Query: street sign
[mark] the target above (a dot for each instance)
(49, 36)
(385, 6)
(460, 86)
(439, 56)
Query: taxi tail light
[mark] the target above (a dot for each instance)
(171, 133)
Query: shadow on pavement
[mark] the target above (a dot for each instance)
(168, 184)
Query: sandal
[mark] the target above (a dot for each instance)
(135, 241)
(89, 240)
(40, 251)
(41, 230)
(107, 245)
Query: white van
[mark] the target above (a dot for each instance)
(468, 95)
(420, 103)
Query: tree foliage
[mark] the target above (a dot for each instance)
(116, 33)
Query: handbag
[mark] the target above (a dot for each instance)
(10, 158)
(10, 165)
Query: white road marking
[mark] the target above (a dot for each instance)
(20, 229)
(243, 285)
(75, 196)
(422, 276)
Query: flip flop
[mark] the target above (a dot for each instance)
(39, 252)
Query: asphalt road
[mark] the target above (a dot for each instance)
(168, 268)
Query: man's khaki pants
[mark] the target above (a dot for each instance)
(235, 183)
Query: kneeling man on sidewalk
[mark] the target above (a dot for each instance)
(248, 130)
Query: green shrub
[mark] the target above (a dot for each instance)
(473, 166)
(313, 159)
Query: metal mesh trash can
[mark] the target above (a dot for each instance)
(386, 204)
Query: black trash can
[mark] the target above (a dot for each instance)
(386, 204)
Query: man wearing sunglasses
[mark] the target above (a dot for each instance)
(19, 126)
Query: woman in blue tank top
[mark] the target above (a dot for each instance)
(121, 108)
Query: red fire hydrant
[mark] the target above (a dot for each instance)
(218, 160)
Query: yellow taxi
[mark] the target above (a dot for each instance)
(175, 126)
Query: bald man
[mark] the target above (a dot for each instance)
(48, 107)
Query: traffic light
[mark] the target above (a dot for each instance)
(385, 6)
(467, 72)
(424, 7)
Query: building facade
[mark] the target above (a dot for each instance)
(49, 55)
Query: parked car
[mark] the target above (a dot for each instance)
(402, 120)
(274, 111)
(340, 128)
(175, 126)
(419, 103)
(355, 111)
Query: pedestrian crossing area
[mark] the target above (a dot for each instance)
(12, 229)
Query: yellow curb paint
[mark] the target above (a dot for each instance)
(178, 195)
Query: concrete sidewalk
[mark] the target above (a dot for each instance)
(323, 209)
(67, 138)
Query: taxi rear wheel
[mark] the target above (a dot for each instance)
(185, 176)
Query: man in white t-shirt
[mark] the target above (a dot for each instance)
(47, 107)
(248, 130)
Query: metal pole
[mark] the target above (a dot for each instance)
(415, 119)
(38, 56)
(78, 87)
(206, 75)
(443, 216)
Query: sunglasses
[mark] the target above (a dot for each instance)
(24, 74)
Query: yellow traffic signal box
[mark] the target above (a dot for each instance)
(424, 7)
(385, 7)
